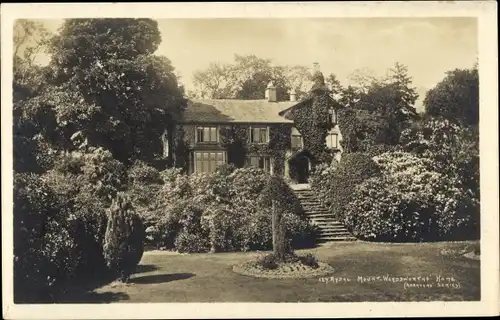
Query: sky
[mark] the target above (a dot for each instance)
(427, 46)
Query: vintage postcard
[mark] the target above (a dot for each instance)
(249, 160)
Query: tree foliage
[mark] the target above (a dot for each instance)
(108, 87)
(376, 111)
(456, 97)
(248, 77)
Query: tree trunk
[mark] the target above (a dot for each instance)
(279, 243)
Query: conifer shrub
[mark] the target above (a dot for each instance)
(124, 238)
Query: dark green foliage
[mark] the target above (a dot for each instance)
(361, 129)
(235, 140)
(44, 249)
(124, 239)
(311, 121)
(378, 112)
(222, 212)
(272, 260)
(309, 260)
(126, 94)
(142, 173)
(335, 185)
(456, 97)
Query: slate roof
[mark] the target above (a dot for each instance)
(235, 111)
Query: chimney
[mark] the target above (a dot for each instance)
(271, 92)
(293, 95)
(316, 67)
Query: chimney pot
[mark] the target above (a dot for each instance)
(293, 95)
(270, 93)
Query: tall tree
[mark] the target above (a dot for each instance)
(247, 78)
(30, 151)
(109, 87)
(456, 97)
(377, 110)
(218, 81)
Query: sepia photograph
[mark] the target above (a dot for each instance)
(269, 158)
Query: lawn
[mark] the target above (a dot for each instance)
(171, 277)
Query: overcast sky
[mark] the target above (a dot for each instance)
(428, 46)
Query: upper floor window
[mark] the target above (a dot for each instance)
(259, 134)
(207, 134)
(296, 139)
(332, 117)
(332, 140)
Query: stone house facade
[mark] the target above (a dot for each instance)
(258, 133)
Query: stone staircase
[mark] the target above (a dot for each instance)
(329, 228)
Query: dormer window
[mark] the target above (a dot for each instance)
(332, 117)
(259, 134)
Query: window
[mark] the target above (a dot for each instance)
(259, 134)
(208, 161)
(332, 140)
(332, 117)
(164, 139)
(296, 141)
(207, 134)
(260, 162)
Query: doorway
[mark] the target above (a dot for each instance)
(299, 169)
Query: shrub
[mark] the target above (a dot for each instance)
(309, 260)
(44, 251)
(268, 261)
(334, 184)
(226, 212)
(408, 202)
(142, 173)
(124, 239)
(108, 176)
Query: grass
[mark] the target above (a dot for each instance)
(167, 277)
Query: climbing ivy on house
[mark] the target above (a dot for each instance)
(312, 122)
(235, 140)
(237, 143)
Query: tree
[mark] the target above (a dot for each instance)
(456, 97)
(107, 86)
(31, 151)
(390, 101)
(124, 238)
(247, 78)
(216, 82)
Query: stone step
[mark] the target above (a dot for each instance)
(325, 232)
(320, 215)
(332, 229)
(332, 239)
(328, 222)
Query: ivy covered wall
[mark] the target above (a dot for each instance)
(234, 139)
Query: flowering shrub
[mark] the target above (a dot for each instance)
(220, 212)
(409, 202)
(141, 173)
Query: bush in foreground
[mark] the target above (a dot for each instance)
(226, 212)
(123, 244)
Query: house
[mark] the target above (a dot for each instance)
(260, 133)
